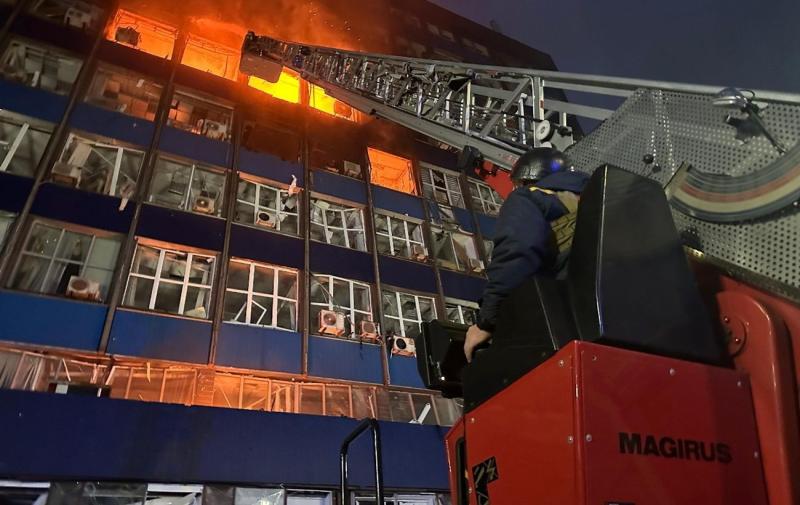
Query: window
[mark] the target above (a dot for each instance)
(404, 313)
(338, 224)
(448, 35)
(170, 280)
(67, 260)
(461, 312)
(6, 221)
(124, 91)
(320, 100)
(97, 166)
(287, 88)
(22, 143)
(187, 186)
(199, 116)
(456, 250)
(73, 13)
(336, 159)
(264, 138)
(481, 49)
(266, 206)
(351, 299)
(261, 295)
(391, 171)
(400, 237)
(484, 198)
(433, 28)
(441, 185)
(211, 57)
(38, 66)
(141, 33)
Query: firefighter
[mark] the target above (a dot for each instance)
(533, 232)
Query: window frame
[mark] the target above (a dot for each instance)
(460, 306)
(477, 197)
(260, 185)
(104, 71)
(452, 245)
(406, 238)
(195, 166)
(157, 278)
(45, 52)
(25, 124)
(452, 185)
(211, 103)
(329, 294)
(7, 220)
(399, 318)
(275, 297)
(345, 208)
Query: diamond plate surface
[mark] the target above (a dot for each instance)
(677, 128)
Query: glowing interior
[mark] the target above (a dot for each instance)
(320, 100)
(287, 88)
(142, 33)
(391, 171)
(208, 56)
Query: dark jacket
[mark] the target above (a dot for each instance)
(522, 245)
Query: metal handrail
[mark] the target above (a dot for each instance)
(364, 425)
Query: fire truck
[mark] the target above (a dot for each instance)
(662, 369)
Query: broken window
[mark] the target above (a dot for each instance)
(391, 171)
(170, 279)
(265, 138)
(191, 113)
(261, 295)
(400, 237)
(461, 312)
(404, 314)
(98, 165)
(456, 250)
(39, 66)
(340, 307)
(144, 34)
(75, 13)
(124, 91)
(336, 159)
(187, 186)
(484, 198)
(6, 221)
(67, 260)
(211, 57)
(337, 224)
(267, 206)
(441, 185)
(287, 88)
(22, 143)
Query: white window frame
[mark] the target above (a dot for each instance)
(43, 53)
(477, 197)
(24, 127)
(406, 237)
(452, 246)
(329, 229)
(452, 188)
(329, 295)
(276, 299)
(111, 185)
(185, 284)
(186, 203)
(461, 306)
(402, 320)
(280, 213)
(63, 228)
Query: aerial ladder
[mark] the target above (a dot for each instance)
(669, 420)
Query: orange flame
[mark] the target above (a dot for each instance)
(142, 33)
(287, 88)
(391, 171)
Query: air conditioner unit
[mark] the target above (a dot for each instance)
(368, 329)
(204, 203)
(66, 174)
(331, 323)
(350, 168)
(215, 130)
(79, 18)
(83, 289)
(79, 389)
(128, 35)
(265, 219)
(404, 346)
(476, 265)
(419, 252)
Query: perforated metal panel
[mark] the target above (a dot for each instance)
(677, 128)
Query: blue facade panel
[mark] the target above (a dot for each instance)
(42, 320)
(395, 201)
(344, 359)
(270, 167)
(339, 186)
(407, 274)
(403, 372)
(160, 337)
(180, 227)
(112, 124)
(260, 245)
(259, 348)
(342, 262)
(464, 218)
(195, 147)
(89, 209)
(487, 224)
(14, 191)
(32, 102)
(462, 286)
(131, 441)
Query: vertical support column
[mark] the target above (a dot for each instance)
(440, 310)
(52, 150)
(126, 254)
(463, 179)
(305, 221)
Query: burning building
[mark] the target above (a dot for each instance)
(174, 232)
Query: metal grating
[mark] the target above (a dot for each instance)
(677, 128)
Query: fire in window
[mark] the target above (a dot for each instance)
(320, 100)
(391, 171)
(287, 88)
(211, 57)
(145, 34)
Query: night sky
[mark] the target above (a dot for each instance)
(719, 42)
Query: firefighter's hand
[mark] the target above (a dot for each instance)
(475, 337)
